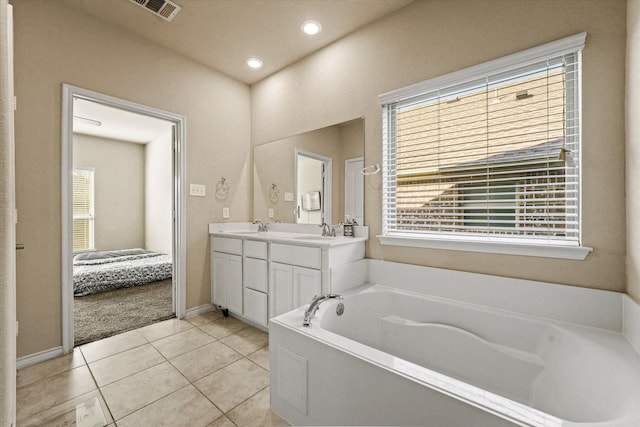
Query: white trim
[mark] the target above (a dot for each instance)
(578, 253)
(38, 357)
(70, 92)
(201, 309)
(328, 181)
(67, 219)
(556, 48)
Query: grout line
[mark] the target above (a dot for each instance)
(119, 352)
(98, 388)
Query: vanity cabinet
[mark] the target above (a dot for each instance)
(291, 287)
(258, 276)
(255, 281)
(226, 274)
(295, 278)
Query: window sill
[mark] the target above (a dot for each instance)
(578, 253)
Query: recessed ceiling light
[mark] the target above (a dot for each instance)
(311, 27)
(254, 62)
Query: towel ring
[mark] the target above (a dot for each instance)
(274, 193)
(222, 189)
(371, 169)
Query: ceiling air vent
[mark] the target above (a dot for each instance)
(165, 9)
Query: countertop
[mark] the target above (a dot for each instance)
(249, 232)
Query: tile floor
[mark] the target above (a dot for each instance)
(207, 371)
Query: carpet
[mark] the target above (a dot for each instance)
(109, 313)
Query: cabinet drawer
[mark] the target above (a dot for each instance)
(255, 249)
(255, 274)
(297, 255)
(227, 245)
(255, 306)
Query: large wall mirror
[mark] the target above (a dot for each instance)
(311, 178)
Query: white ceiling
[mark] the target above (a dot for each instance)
(115, 123)
(222, 34)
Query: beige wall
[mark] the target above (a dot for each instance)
(633, 148)
(55, 44)
(158, 184)
(430, 38)
(119, 189)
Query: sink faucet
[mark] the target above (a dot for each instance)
(327, 230)
(314, 305)
(261, 226)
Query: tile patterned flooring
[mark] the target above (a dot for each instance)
(207, 371)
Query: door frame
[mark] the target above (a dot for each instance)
(358, 163)
(70, 92)
(327, 180)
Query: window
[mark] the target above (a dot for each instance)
(83, 209)
(488, 154)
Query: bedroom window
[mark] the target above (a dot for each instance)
(83, 209)
(488, 154)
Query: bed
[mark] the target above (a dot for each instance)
(101, 271)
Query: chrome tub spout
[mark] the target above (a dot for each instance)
(314, 305)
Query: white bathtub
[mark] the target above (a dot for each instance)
(397, 357)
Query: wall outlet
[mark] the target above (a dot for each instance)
(270, 213)
(197, 190)
(225, 213)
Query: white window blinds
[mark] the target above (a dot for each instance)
(489, 153)
(83, 209)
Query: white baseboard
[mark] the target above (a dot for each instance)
(201, 309)
(41, 356)
(631, 321)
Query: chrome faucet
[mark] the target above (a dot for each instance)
(327, 230)
(314, 305)
(261, 226)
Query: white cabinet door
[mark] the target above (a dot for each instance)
(255, 274)
(219, 279)
(227, 281)
(307, 283)
(292, 287)
(234, 284)
(280, 289)
(255, 306)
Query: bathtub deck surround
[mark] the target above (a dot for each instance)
(448, 348)
(631, 321)
(259, 271)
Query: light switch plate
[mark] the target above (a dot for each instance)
(270, 213)
(225, 212)
(197, 190)
(288, 197)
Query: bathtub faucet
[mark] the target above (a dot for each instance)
(314, 305)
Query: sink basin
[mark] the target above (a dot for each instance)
(243, 232)
(306, 237)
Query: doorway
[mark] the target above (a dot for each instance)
(313, 187)
(119, 228)
(354, 190)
